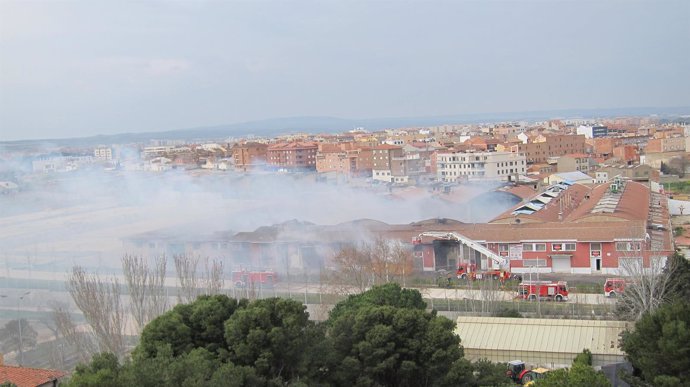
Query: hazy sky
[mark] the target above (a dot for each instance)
(78, 68)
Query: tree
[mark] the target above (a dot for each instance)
(272, 336)
(83, 342)
(678, 269)
(659, 346)
(187, 277)
(10, 336)
(647, 287)
(200, 324)
(103, 371)
(390, 294)
(581, 374)
(385, 337)
(192, 284)
(353, 267)
(487, 373)
(372, 263)
(99, 301)
(391, 261)
(146, 286)
(213, 279)
(578, 375)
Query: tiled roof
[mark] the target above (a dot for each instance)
(292, 145)
(28, 377)
(513, 233)
(522, 191)
(552, 205)
(505, 233)
(387, 147)
(632, 203)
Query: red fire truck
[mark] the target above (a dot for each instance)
(469, 271)
(256, 278)
(544, 290)
(614, 287)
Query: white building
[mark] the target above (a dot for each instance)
(503, 166)
(593, 131)
(103, 153)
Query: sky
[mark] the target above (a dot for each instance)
(83, 68)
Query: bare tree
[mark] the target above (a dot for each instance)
(400, 262)
(213, 278)
(82, 342)
(188, 279)
(158, 297)
(353, 271)
(146, 287)
(136, 272)
(99, 301)
(364, 264)
(647, 287)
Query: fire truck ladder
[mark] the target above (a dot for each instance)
(453, 236)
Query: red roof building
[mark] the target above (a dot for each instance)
(293, 155)
(30, 377)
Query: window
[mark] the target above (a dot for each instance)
(534, 247)
(628, 246)
(534, 263)
(563, 246)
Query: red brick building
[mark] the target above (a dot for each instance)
(551, 146)
(292, 155)
(627, 153)
(582, 229)
(249, 155)
(344, 158)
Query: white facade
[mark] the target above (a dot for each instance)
(386, 176)
(586, 130)
(103, 153)
(452, 167)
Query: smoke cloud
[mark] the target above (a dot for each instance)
(61, 219)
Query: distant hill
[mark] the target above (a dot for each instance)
(278, 126)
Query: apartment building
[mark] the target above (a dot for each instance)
(627, 153)
(593, 131)
(579, 162)
(549, 146)
(103, 153)
(293, 155)
(388, 164)
(249, 155)
(344, 158)
(459, 166)
(672, 144)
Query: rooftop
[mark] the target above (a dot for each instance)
(541, 335)
(28, 377)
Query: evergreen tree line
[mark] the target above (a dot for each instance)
(382, 337)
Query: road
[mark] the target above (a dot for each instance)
(312, 289)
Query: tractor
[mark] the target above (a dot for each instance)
(518, 372)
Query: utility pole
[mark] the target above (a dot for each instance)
(19, 322)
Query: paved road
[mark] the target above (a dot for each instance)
(299, 288)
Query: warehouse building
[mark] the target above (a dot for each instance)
(540, 342)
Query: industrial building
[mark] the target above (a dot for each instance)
(540, 342)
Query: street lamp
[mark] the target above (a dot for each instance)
(19, 322)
